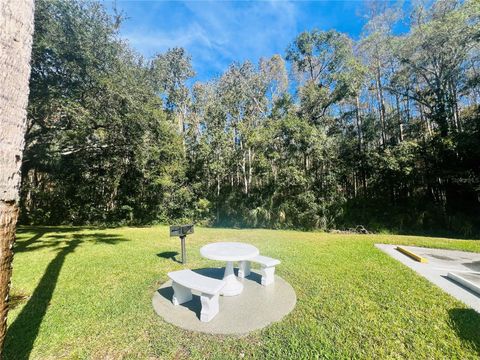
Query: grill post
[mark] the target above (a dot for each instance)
(184, 252)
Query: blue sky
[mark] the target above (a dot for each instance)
(217, 33)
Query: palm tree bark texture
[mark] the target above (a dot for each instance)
(16, 30)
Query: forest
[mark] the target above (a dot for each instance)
(382, 131)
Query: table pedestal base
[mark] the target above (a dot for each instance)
(233, 286)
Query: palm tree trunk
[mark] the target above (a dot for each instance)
(16, 28)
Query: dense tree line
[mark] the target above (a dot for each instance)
(382, 131)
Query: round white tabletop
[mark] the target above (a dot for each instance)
(230, 252)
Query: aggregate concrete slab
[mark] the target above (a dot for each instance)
(440, 263)
(256, 307)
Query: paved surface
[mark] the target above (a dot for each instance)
(440, 263)
(256, 307)
(473, 277)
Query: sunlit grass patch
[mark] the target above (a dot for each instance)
(89, 296)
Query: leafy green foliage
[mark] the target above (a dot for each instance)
(383, 131)
(99, 146)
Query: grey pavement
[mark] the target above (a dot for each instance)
(256, 307)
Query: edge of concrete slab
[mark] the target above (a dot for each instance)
(465, 282)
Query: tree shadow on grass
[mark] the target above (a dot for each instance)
(53, 239)
(53, 229)
(24, 330)
(22, 245)
(466, 322)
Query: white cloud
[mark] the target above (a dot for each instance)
(159, 40)
(217, 33)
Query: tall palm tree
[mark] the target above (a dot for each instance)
(16, 30)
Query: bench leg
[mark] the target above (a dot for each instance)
(209, 307)
(268, 275)
(243, 269)
(181, 294)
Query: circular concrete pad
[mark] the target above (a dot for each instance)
(256, 307)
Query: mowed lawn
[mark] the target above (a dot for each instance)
(86, 293)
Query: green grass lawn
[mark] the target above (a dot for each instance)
(86, 293)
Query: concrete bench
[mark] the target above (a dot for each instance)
(184, 281)
(267, 268)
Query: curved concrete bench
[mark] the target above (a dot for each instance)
(184, 281)
(267, 268)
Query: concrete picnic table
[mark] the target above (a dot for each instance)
(229, 252)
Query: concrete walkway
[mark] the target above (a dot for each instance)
(256, 307)
(440, 263)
